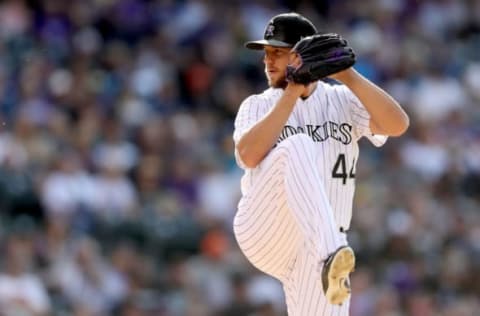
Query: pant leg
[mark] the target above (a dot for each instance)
(304, 293)
(286, 210)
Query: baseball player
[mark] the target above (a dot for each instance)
(297, 143)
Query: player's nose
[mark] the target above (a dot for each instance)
(268, 59)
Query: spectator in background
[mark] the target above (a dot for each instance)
(69, 190)
(87, 280)
(22, 292)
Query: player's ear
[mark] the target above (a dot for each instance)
(294, 59)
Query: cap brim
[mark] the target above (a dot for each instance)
(258, 45)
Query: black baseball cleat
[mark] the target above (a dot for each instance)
(335, 275)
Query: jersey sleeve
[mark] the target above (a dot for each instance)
(251, 111)
(361, 120)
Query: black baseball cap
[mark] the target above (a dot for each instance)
(284, 30)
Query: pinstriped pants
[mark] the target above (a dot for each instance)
(285, 226)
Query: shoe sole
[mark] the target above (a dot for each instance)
(342, 264)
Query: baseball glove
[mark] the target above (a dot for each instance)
(321, 55)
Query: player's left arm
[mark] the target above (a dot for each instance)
(386, 116)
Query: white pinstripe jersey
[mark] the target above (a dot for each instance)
(335, 119)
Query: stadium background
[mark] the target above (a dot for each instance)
(117, 178)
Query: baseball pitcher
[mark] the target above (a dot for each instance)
(297, 143)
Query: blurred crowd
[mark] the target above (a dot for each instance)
(118, 183)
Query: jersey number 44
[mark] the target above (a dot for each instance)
(340, 169)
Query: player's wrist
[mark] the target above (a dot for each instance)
(294, 90)
(347, 76)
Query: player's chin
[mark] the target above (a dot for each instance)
(280, 82)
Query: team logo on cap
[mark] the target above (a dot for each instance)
(269, 30)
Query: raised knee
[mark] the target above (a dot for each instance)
(294, 140)
(296, 146)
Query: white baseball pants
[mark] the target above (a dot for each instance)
(286, 228)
